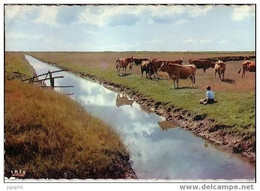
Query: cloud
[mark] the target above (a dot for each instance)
(102, 15)
(162, 19)
(129, 15)
(105, 15)
(196, 11)
(149, 25)
(13, 12)
(166, 10)
(189, 41)
(192, 41)
(47, 15)
(120, 47)
(89, 32)
(68, 14)
(23, 36)
(123, 19)
(164, 14)
(92, 15)
(204, 41)
(242, 12)
(181, 21)
(222, 41)
(43, 14)
(154, 41)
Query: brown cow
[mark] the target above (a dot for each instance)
(220, 68)
(177, 72)
(247, 66)
(146, 66)
(123, 63)
(202, 64)
(156, 64)
(178, 61)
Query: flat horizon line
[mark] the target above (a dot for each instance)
(228, 51)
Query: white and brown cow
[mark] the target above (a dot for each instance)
(146, 66)
(220, 68)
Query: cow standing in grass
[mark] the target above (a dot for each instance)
(123, 63)
(156, 64)
(220, 68)
(177, 72)
(247, 66)
(202, 64)
(146, 66)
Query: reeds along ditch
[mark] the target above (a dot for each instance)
(50, 136)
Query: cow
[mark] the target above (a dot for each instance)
(123, 63)
(202, 64)
(156, 64)
(177, 72)
(220, 68)
(178, 61)
(146, 66)
(247, 66)
(138, 61)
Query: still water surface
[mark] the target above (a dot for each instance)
(158, 149)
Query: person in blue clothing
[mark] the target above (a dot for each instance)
(209, 97)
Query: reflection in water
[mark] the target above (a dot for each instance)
(165, 125)
(122, 99)
(206, 144)
(175, 154)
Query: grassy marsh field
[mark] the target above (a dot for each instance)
(235, 105)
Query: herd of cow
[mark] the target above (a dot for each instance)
(176, 70)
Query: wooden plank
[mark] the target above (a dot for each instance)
(50, 72)
(48, 78)
(44, 74)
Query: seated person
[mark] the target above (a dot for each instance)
(209, 97)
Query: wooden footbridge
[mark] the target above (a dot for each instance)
(48, 76)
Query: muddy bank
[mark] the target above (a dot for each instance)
(201, 125)
(122, 169)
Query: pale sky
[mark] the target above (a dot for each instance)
(130, 28)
